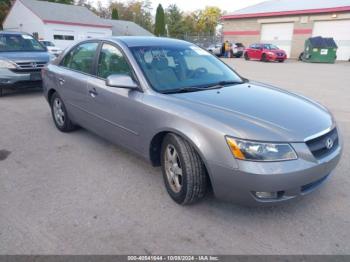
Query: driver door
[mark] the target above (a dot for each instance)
(117, 111)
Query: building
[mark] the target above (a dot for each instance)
(64, 24)
(121, 27)
(288, 23)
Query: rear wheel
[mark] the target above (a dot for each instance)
(60, 114)
(246, 57)
(184, 173)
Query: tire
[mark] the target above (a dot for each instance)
(65, 125)
(280, 61)
(246, 57)
(263, 58)
(193, 180)
(1, 92)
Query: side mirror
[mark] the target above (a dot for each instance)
(122, 81)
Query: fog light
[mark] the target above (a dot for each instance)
(266, 195)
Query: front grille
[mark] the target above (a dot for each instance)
(30, 65)
(318, 145)
(279, 54)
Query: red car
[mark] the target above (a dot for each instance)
(265, 52)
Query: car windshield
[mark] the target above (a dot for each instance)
(176, 68)
(19, 43)
(270, 47)
(47, 43)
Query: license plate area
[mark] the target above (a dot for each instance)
(36, 76)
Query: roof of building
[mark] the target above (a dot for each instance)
(290, 7)
(64, 14)
(122, 27)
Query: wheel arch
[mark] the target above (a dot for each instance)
(50, 94)
(155, 148)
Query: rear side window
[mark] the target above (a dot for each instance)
(81, 58)
(112, 61)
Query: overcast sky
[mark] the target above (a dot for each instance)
(191, 5)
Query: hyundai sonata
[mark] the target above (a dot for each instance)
(183, 109)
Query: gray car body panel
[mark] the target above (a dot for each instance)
(251, 111)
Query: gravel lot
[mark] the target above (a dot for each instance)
(77, 194)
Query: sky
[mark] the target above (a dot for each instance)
(191, 5)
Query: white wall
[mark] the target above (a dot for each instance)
(22, 19)
(79, 33)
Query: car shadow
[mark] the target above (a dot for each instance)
(14, 92)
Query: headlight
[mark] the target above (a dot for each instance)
(270, 53)
(52, 57)
(258, 151)
(7, 64)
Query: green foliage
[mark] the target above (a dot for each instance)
(115, 14)
(5, 6)
(159, 29)
(138, 11)
(197, 22)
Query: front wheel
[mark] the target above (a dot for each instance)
(60, 114)
(184, 173)
(246, 57)
(264, 58)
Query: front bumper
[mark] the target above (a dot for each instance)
(291, 179)
(9, 78)
(276, 58)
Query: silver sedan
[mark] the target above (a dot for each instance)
(183, 109)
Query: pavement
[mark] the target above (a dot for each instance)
(78, 194)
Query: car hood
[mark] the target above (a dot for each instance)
(276, 51)
(26, 56)
(260, 112)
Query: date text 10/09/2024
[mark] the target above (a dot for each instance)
(173, 258)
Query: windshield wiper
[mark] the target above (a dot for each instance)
(191, 89)
(217, 85)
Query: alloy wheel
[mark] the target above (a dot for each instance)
(173, 169)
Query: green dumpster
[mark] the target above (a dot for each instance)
(319, 50)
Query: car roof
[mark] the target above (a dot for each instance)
(12, 33)
(133, 41)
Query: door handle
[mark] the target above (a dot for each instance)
(61, 81)
(93, 93)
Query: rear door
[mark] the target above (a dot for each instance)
(71, 77)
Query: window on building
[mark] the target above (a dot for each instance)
(64, 37)
(81, 58)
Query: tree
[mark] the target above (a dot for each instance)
(138, 11)
(209, 19)
(115, 14)
(159, 29)
(174, 21)
(5, 6)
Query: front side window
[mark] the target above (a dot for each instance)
(81, 58)
(111, 61)
(270, 47)
(19, 43)
(171, 68)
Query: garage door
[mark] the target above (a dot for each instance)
(278, 34)
(340, 31)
